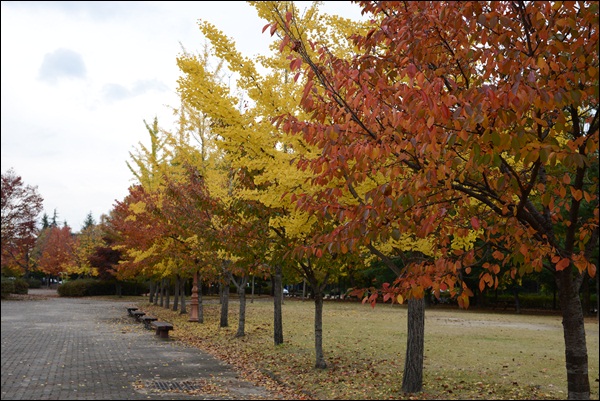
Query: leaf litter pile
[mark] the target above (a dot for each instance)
(468, 354)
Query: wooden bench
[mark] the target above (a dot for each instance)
(162, 328)
(137, 315)
(147, 320)
(131, 309)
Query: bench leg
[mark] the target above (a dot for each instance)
(163, 333)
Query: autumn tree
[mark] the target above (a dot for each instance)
(470, 116)
(21, 204)
(135, 232)
(86, 243)
(56, 251)
(174, 203)
(188, 210)
(262, 153)
(156, 255)
(105, 258)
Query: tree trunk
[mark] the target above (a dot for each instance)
(151, 298)
(277, 314)
(574, 333)
(303, 289)
(224, 305)
(320, 359)
(241, 290)
(412, 380)
(176, 293)
(162, 293)
(252, 295)
(167, 294)
(156, 292)
(183, 309)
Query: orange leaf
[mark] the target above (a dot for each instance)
(483, 280)
(562, 192)
(463, 300)
(524, 250)
(563, 264)
(430, 121)
(592, 269)
(498, 255)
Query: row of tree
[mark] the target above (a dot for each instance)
(44, 246)
(444, 139)
(454, 142)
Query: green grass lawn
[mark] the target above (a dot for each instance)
(468, 354)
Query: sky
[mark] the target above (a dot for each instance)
(79, 78)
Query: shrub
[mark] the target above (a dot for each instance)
(75, 288)
(8, 287)
(21, 286)
(133, 288)
(34, 283)
(91, 287)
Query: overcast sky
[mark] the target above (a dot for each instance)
(79, 78)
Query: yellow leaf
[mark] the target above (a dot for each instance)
(400, 299)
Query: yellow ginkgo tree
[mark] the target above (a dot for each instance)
(261, 155)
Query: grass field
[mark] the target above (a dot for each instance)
(468, 354)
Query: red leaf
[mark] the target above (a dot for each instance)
(563, 264)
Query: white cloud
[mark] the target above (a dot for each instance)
(80, 78)
(62, 63)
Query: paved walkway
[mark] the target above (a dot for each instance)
(89, 349)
